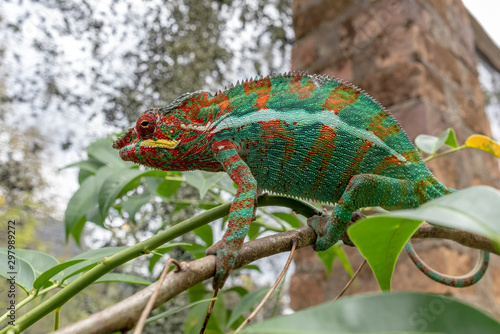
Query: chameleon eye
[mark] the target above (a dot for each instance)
(146, 125)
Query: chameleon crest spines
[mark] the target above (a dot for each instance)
(311, 137)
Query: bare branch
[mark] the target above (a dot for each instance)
(464, 238)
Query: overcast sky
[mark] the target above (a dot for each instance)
(487, 12)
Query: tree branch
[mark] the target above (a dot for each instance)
(464, 238)
(123, 315)
(141, 248)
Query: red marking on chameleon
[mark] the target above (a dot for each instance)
(223, 106)
(381, 131)
(341, 97)
(272, 126)
(411, 156)
(302, 90)
(389, 161)
(262, 88)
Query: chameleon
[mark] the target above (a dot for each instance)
(312, 137)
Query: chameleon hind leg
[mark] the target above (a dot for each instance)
(363, 190)
(374, 190)
(456, 281)
(240, 214)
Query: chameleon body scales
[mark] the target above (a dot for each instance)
(307, 136)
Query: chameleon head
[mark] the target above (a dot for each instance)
(154, 141)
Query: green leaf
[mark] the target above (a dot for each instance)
(241, 291)
(92, 258)
(84, 200)
(152, 183)
(194, 319)
(100, 253)
(113, 186)
(70, 274)
(327, 257)
(251, 267)
(451, 138)
(103, 151)
(431, 144)
(122, 278)
(380, 241)
(198, 251)
(219, 317)
(290, 218)
(134, 203)
(398, 312)
(426, 143)
(79, 204)
(22, 271)
(90, 165)
(475, 209)
(168, 188)
(38, 260)
(227, 184)
(116, 184)
(246, 303)
(202, 181)
(197, 292)
(342, 256)
(77, 230)
(205, 234)
(83, 175)
(254, 230)
(47, 275)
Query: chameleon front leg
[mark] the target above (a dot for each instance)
(240, 213)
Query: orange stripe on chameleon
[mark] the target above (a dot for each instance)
(341, 97)
(301, 90)
(263, 90)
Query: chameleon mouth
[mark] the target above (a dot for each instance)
(163, 143)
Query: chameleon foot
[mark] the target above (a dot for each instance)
(345, 237)
(226, 258)
(320, 226)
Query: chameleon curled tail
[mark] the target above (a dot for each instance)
(456, 281)
(463, 281)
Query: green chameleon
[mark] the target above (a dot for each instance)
(308, 136)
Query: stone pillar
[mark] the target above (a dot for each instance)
(417, 57)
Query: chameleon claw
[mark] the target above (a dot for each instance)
(320, 226)
(224, 263)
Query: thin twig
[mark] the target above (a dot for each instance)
(149, 306)
(268, 295)
(209, 311)
(351, 280)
